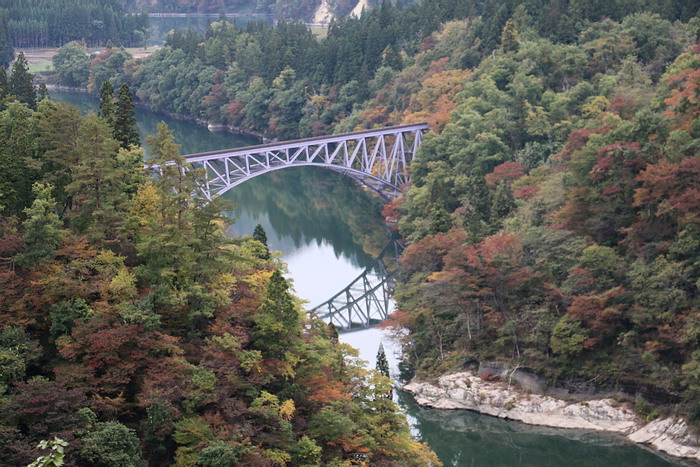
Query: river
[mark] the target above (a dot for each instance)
(328, 230)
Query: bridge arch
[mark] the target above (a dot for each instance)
(378, 158)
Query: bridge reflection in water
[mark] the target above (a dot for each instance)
(367, 301)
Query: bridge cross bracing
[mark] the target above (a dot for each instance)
(377, 158)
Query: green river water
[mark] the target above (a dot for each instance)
(329, 230)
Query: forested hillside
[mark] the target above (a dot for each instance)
(554, 208)
(286, 9)
(555, 219)
(135, 331)
(284, 82)
(52, 23)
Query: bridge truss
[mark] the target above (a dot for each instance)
(378, 159)
(367, 300)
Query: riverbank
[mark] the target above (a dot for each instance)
(499, 399)
(213, 127)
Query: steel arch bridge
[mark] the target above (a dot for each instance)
(378, 158)
(366, 301)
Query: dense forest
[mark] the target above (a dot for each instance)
(554, 208)
(53, 23)
(553, 223)
(135, 332)
(287, 9)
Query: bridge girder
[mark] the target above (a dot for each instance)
(377, 158)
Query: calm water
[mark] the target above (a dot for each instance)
(329, 230)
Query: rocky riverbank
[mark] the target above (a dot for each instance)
(500, 399)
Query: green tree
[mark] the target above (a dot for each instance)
(18, 151)
(107, 102)
(72, 64)
(4, 86)
(125, 119)
(277, 323)
(22, 82)
(382, 363)
(97, 188)
(111, 444)
(59, 125)
(42, 229)
(260, 236)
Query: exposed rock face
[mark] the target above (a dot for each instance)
(323, 14)
(362, 5)
(469, 392)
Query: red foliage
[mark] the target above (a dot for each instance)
(428, 253)
(576, 141)
(114, 352)
(526, 193)
(508, 171)
(684, 103)
(670, 188)
(600, 314)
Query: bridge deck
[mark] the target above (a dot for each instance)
(280, 146)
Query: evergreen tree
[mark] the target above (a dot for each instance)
(125, 119)
(97, 187)
(382, 362)
(22, 82)
(510, 41)
(260, 235)
(43, 231)
(277, 323)
(383, 367)
(7, 53)
(107, 102)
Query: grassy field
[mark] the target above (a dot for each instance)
(37, 65)
(39, 60)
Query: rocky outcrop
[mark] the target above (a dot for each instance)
(469, 392)
(323, 14)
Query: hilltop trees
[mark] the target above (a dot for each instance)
(34, 23)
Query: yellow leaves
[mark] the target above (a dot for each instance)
(123, 285)
(250, 360)
(536, 120)
(436, 99)
(144, 205)
(595, 108)
(277, 456)
(287, 409)
(259, 279)
(228, 342)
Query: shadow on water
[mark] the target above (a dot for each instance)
(463, 438)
